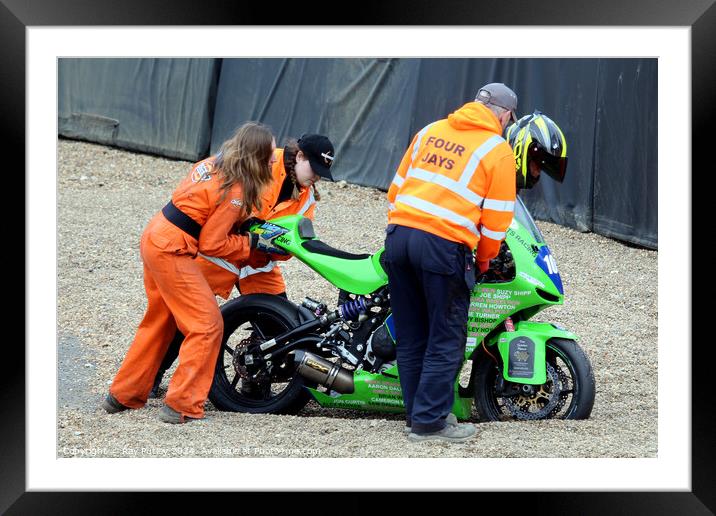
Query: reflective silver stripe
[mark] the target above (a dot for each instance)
(241, 273)
(438, 211)
(222, 263)
(398, 181)
(309, 202)
(493, 204)
(492, 234)
(418, 139)
(249, 271)
(452, 185)
(477, 156)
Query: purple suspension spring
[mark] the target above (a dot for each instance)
(352, 309)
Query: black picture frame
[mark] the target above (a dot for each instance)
(17, 15)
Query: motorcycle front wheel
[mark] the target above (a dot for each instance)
(568, 393)
(248, 321)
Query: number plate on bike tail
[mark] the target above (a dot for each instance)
(521, 362)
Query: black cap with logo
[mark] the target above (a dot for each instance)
(319, 151)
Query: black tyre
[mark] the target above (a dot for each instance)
(249, 319)
(568, 394)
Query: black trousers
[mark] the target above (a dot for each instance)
(430, 281)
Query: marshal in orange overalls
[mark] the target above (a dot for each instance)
(267, 277)
(179, 296)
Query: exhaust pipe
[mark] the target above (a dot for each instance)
(320, 370)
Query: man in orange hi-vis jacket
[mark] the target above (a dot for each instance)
(453, 193)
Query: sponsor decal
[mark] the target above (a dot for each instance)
(521, 241)
(317, 366)
(348, 402)
(488, 305)
(283, 241)
(269, 230)
(201, 173)
(387, 401)
(327, 158)
(530, 279)
(521, 361)
(521, 356)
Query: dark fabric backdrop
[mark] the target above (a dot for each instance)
(159, 106)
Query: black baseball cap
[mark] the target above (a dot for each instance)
(320, 153)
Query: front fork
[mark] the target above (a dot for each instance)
(520, 352)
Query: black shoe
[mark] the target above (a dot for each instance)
(112, 406)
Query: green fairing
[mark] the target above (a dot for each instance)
(539, 333)
(381, 392)
(358, 277)
(490, 305)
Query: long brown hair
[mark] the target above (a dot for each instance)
(244, 158)
(290, 150)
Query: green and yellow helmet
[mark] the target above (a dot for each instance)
(537, 138)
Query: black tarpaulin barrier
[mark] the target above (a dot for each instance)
(363, 105)
(371, 109)
(158, 106)
(625, 153)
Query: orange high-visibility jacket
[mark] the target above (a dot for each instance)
(179, 297)
(199, 196)
(267, 277)
(457, 181)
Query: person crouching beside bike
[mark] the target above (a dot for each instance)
(216, 195)
(297, 167)
(454, 191)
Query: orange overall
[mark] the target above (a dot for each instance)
(264, 274)
(179, 297)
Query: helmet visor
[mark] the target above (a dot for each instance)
(554, 166)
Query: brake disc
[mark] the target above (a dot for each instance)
(542, 403)
(250, 342)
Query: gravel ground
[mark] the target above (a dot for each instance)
(105, 198)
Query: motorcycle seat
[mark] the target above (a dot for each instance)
(318, 247)
(305, 230)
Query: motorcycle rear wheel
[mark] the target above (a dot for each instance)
(262, 316)
(573, 400)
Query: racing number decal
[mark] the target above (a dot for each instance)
(548, 264)
(551, 264)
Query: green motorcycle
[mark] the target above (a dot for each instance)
(276, 356)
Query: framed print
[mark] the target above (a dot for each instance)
(33, 31)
